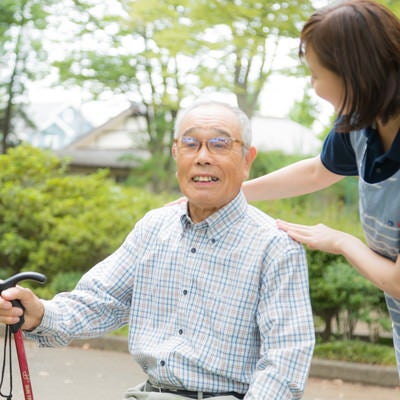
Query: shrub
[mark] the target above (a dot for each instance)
(356, 351)
(56, 224)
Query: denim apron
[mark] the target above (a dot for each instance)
(379, 206)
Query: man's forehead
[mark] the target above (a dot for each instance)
(210, 117)
(199, 130)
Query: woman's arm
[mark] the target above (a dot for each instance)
(382, 272)
(300, 178)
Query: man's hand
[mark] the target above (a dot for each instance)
(10, 315)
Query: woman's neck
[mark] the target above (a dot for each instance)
(388, 132)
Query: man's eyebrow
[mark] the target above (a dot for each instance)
(219, 132)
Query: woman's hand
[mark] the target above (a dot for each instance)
(317, 237)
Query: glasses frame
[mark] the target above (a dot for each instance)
(231, 141)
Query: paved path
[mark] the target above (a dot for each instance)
(77, 374)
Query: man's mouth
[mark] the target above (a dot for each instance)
(205, 179)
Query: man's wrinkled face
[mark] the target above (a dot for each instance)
(210, 174)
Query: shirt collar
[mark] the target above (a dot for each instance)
(221, 220)
(373, 140)
(394, 152)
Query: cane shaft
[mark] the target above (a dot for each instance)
(23, 365)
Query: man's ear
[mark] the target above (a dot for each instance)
(250, 156)
(173, 150)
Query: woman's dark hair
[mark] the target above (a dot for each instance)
(359, 41)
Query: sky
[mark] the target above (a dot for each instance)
(276, 100)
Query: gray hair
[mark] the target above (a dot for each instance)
(244, 122)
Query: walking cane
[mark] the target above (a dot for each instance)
(18, 337)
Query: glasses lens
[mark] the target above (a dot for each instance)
(219, 144)
(214, 145)
(190, 143)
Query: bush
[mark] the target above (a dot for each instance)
(339, 292)
(64, 281)
(356, 351)
(58, 224)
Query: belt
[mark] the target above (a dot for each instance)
(149, 387)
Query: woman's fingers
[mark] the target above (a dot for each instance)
(317, 237)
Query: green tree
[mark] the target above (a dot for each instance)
(339, 293)
(22, 58)
(243, 38)
(144, 58)
(27, 28)
(159, 54)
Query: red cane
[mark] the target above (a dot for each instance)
(16, 329)
(23, 365)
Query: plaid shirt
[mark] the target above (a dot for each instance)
(222, 305)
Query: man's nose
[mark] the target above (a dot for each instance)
(203, 154)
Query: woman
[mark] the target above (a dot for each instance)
(352, 49)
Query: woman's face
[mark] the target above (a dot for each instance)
(327, 85)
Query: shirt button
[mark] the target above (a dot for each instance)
(162, 363)
(213, 240)
(185, 292)
(193, 250)
(180, 331)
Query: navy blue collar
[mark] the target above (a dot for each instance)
(374, 144)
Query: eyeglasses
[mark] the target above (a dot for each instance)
(215, 145)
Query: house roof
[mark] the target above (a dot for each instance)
(85, 139)
(56, 125)
(100, 158)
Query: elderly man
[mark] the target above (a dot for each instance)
(216, 297)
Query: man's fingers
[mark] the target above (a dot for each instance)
(9, 314)
(14, 293)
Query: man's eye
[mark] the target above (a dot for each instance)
(189, 143)
(219, 143)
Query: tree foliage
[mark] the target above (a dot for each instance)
(28, 37)
(142, 59)
(160, 54)
(305, 111)
(22, 59)
(241, 40)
